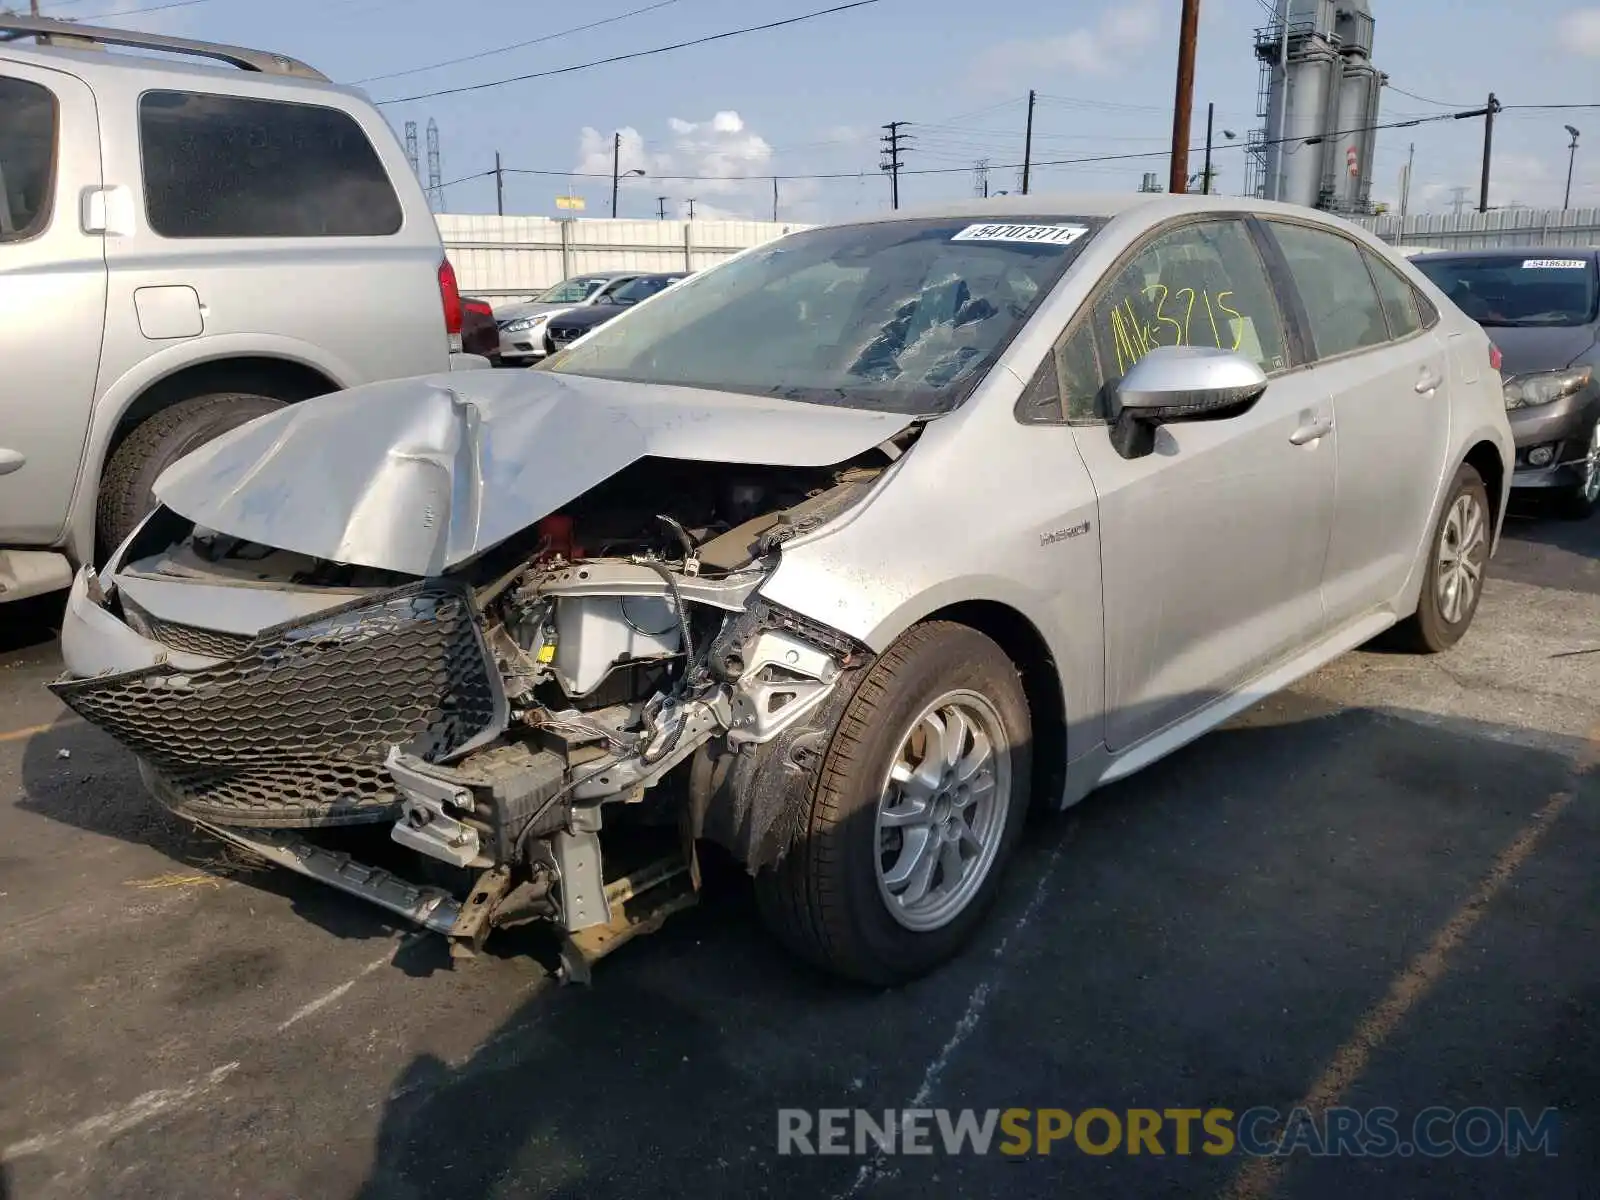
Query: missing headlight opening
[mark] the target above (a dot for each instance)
(615, 653)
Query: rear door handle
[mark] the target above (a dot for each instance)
(1312, 430)
(11, 460)
(1428, 381)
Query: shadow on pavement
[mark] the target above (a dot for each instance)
(31, 622)
(1212, 933)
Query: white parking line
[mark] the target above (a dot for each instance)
(969, 1021)
(333, 995)
(109, 1124)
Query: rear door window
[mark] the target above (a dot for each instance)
(28, 118)
(1399, 298)
(1330, 273)
(236, 167)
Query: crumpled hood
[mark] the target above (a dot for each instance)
(1540, 347)
(418, 475)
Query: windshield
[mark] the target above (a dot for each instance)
(572, 291)
(1506, 290)
(903, 316)
(640, 289)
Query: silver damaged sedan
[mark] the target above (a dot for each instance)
(835, 556)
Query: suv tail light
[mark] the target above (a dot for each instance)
(450, 298)
(1495, 358)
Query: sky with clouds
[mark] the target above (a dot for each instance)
(809, 99)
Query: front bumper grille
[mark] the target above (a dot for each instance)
(293, 730)
(565, 337)
(209, 643)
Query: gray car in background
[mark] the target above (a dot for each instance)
(1541, 307)
(837, 555)
(185, 246)
(523, 337)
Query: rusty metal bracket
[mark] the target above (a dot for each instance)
(473, 922)
(640, 903)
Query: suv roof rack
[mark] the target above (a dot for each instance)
(49, 32)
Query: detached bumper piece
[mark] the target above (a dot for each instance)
(293, 731)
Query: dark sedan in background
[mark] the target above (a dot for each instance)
(565, 328)
(1541, 307)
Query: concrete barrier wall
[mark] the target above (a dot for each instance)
(1476, 231)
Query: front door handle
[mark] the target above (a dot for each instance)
(1428, 381)
(1312, 430)
(11, 460)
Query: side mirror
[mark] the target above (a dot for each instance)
(1181, 383)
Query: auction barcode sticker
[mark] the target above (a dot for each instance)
(1049, 235)
(1556, 264)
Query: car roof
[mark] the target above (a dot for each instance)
(1510, 252)
(603, 275)
(170, 66)
(1153, 206)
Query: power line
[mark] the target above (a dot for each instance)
(616, 58)
(130, 12)
(549, 37)
(1424, 99)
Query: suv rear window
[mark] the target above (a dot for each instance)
(27, 158)
(233, 167)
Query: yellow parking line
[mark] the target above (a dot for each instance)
(21, 735)
(1259, 1176)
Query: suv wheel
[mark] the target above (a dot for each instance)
(917, 810)
(1452, 584)
(153, 446)
(1584, 498)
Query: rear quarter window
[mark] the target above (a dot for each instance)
(27, 158)
(237, 167)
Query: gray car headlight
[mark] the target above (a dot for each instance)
(523, 324)
(1546, 387)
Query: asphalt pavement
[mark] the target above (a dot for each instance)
(1376, 889)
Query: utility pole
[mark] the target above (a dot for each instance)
(661, 208)
(1572, 154)
(499, 186)
(1205, 177)
(893, 143)
(1183, 100)
(1489, 111)
(980, 178)
(691, 208)
(616, 163)
(1405, 179)
(774, 198)
(33, 8)
(1458, 199)
(1027, 145)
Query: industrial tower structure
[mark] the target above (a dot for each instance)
(411, 148)
(435, 176)
(1319, 94)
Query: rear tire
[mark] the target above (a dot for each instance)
(154, 445)
(1581, 501)
(847, 897)
(1458, 556)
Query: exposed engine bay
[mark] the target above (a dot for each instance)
(488, 714)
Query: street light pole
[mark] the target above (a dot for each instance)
(1205, 178)
(1572, 153)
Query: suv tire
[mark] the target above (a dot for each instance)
(1450, 593)
(154, 445)
(831, 899)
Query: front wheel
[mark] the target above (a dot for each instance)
(918, 808)
(1582, 500)
(1458, 554)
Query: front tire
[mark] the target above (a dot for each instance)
(917, 811)
(126, 495)
(1582, 500)
(1458, 555)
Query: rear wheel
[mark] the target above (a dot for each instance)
(1583, 499)
(1457, 557)
(918, 809)
(154, 445)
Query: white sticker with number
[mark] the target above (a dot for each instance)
(1555, 264)
(1046, 235)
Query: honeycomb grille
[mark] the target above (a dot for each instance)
(293, 731)
(208, 642)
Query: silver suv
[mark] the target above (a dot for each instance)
(184, 247)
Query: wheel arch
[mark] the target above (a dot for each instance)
(1029, 652)
(1485, 458)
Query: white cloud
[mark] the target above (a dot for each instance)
(721, 153)
(1093, 50)
(1579, 31)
